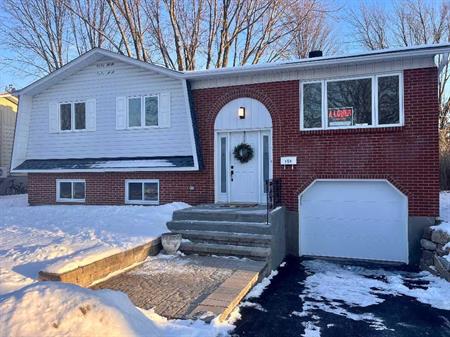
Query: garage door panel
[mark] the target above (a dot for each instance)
(354, 219)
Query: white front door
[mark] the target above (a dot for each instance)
(242, 182)
(244, 177)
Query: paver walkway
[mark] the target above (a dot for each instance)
(187, 286)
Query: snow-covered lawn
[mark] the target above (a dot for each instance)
(59, 238)
(49, 309)
(48, 237)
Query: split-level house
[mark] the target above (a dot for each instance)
(351, 142)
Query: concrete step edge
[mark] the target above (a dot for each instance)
(228, 249)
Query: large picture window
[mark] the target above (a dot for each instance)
(142, 192)
(352, 103)
(142, 111)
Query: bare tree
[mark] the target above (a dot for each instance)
(217, 33)
(371, 26)
(131, 23)
(181, 34)
(412, 22)
(313, 29)
(37, 31)
(91, 24)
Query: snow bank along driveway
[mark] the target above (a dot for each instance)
(58, 238)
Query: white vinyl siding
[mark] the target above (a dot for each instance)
(111, 137)
(142, 192)
(70, 190)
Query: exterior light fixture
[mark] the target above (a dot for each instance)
(241, 113)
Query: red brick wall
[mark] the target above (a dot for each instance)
(407, 156)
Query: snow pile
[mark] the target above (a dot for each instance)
(261, 286)
(444, 205)
(58, 309)
(336, 288)
(442, 227)
(444, 202)
(60, 238)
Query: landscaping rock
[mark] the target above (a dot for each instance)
(441, 237)
(428, 245)
(444, 262)
(427, 257)
(427, 233)
(443, 267)
(442, 250)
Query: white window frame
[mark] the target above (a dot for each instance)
(59, 199)
(72, 116)
(141, 202)
(142, 126)
(374, 101)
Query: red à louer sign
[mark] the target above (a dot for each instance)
(340, 116)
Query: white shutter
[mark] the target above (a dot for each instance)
(121, 112)
(91, 114)
(164, 110)
(53, 117)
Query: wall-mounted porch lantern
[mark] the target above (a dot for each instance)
(241, 112)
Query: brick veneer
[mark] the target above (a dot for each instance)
(407, 156)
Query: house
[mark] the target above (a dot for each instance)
(8, 111)
(352, 139)
(9, 182)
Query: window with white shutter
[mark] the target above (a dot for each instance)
(72, 116)
(147, 111)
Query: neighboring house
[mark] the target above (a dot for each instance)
(8, 111)
(10, 183)
(352, 139)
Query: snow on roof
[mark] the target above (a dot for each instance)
(106, 164)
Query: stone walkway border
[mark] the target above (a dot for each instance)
(85, 276)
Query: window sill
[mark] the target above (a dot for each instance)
(73, 131)
(143, 127)
(77, 201)
(142, 203)
(353, 130)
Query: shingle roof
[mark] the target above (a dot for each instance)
(107, 164)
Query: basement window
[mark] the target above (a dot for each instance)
(143, 192)
(371, 101)
(70, 190)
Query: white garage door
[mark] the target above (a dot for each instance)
(357, 219)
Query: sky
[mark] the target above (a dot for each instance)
(10, 75)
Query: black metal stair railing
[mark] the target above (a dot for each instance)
(273, 192)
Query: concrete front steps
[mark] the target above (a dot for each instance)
(213, 230)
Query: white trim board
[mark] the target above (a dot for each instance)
(128, 169)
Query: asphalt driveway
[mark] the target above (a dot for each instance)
(319, 298)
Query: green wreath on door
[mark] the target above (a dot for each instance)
(243, 152)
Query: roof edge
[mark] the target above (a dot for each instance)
(91, 53)
(370, 56)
